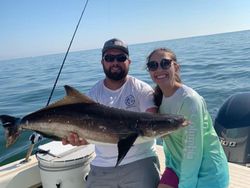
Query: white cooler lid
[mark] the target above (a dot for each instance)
(58, 153)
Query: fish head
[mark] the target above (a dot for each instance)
(165, 125)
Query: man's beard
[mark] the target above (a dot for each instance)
(115, 75)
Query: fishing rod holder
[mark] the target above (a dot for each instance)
(34, 138)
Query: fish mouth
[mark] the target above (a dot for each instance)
(186, 123)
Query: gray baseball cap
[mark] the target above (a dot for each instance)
(115, 44)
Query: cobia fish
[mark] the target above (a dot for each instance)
(97, 123)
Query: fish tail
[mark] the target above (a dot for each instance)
(11, 128)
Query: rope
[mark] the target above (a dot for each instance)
(58, 75)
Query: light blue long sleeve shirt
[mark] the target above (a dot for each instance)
(194, 152)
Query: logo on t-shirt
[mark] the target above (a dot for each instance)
(130, 101)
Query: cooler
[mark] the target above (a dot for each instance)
(64, 166)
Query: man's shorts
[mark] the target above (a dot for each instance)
(142, 173)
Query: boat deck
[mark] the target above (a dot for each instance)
(239, 175)
(14, 174)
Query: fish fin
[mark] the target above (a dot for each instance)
(124, 145)
(49, 136)
(11, 128)
(73, 96)
(74, 93)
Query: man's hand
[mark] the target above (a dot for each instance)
(74, 140)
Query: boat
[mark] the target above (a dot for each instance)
(61, 166)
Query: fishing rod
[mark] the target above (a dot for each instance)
(35, 137)
(59, 73)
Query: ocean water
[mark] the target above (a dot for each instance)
(216, 66)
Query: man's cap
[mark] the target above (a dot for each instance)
(115, 44)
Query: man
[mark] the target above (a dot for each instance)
(140, 167)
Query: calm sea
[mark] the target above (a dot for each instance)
(216, 66)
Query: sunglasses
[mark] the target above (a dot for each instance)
(165, 64)
(111, 58)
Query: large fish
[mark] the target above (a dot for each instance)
(97, 123)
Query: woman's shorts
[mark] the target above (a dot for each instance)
(169, 178)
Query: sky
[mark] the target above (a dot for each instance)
(40, 27)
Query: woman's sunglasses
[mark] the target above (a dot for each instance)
(111, 58)
(153, 65)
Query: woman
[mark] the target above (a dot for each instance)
(194, 156)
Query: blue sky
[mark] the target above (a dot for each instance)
(33, 28)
